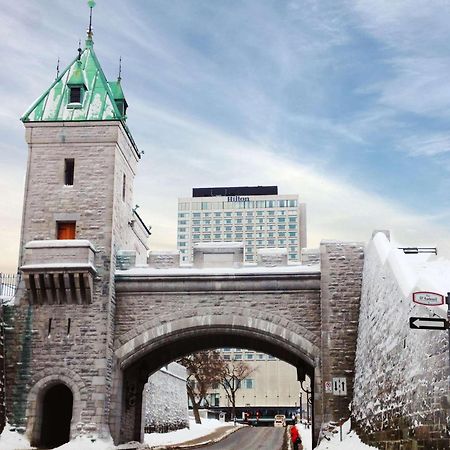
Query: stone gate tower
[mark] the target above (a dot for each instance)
(77, 214)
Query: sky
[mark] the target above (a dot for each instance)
(346, 103)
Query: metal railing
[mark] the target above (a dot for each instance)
(8, 285)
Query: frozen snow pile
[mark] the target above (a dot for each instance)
(85, 443)
(350, 441)
(186, 434)
(12, 440)
(305, 434)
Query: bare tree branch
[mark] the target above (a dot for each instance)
(204, 370)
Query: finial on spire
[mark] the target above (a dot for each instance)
(57, 69)
(91, 4)
(120, 69)
(79, 49)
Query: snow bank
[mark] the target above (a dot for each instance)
(186, 434)
(85, 443)
(350, 441)
(12, 440)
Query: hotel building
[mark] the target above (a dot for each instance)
(257, 216)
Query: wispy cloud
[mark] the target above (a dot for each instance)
(332, 100)
(429, 145)
(198, 155)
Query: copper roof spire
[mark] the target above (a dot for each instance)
(91, 4)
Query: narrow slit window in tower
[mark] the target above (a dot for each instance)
(69, 166)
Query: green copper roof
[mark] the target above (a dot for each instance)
(116, 89)
(98, 98)
(77, 77)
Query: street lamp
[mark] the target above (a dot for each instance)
(308, 402)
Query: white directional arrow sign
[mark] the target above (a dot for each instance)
(428, 323)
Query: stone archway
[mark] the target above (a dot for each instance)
(39, 402)
(145, 351)
(57, 407)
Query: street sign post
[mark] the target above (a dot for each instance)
(339, 386)
(428, 298)
(340, 389)
(428, 323)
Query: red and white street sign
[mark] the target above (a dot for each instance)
(428, 298)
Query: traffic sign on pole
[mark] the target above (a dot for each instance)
(339, 386)
(428, 323)
(428, 298)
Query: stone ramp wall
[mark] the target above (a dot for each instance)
(401, 390)
(165, 400)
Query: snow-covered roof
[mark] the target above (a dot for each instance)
(58, 266)
(212, 271)
(61, 243)
(415, 272)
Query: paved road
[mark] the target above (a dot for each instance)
(252, 438)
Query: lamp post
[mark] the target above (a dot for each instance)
(301, 406)
(308, 402)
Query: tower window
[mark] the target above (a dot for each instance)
(65, 230)
(69, 165)
(76, 93)
(124, 184)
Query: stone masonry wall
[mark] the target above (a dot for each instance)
(341, 265)
(40, 353)
(138, 308)
(401, 399)
(165, 400)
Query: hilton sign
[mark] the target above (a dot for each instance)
(236, 198)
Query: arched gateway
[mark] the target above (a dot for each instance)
(199, 315)
(80, 322)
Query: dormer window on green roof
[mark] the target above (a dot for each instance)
(77, 85)
(76, 95)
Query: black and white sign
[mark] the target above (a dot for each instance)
(428, 323)
(339, 386)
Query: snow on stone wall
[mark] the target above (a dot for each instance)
(165, 400)
(401, 389)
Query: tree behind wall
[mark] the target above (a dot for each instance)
(204, 369)
(234, 372)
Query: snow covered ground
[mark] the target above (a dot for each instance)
(10, 440)
(350, 441)
(186, 434)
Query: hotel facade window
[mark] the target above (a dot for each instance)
(239, 212)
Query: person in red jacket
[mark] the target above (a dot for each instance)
(296, 439)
